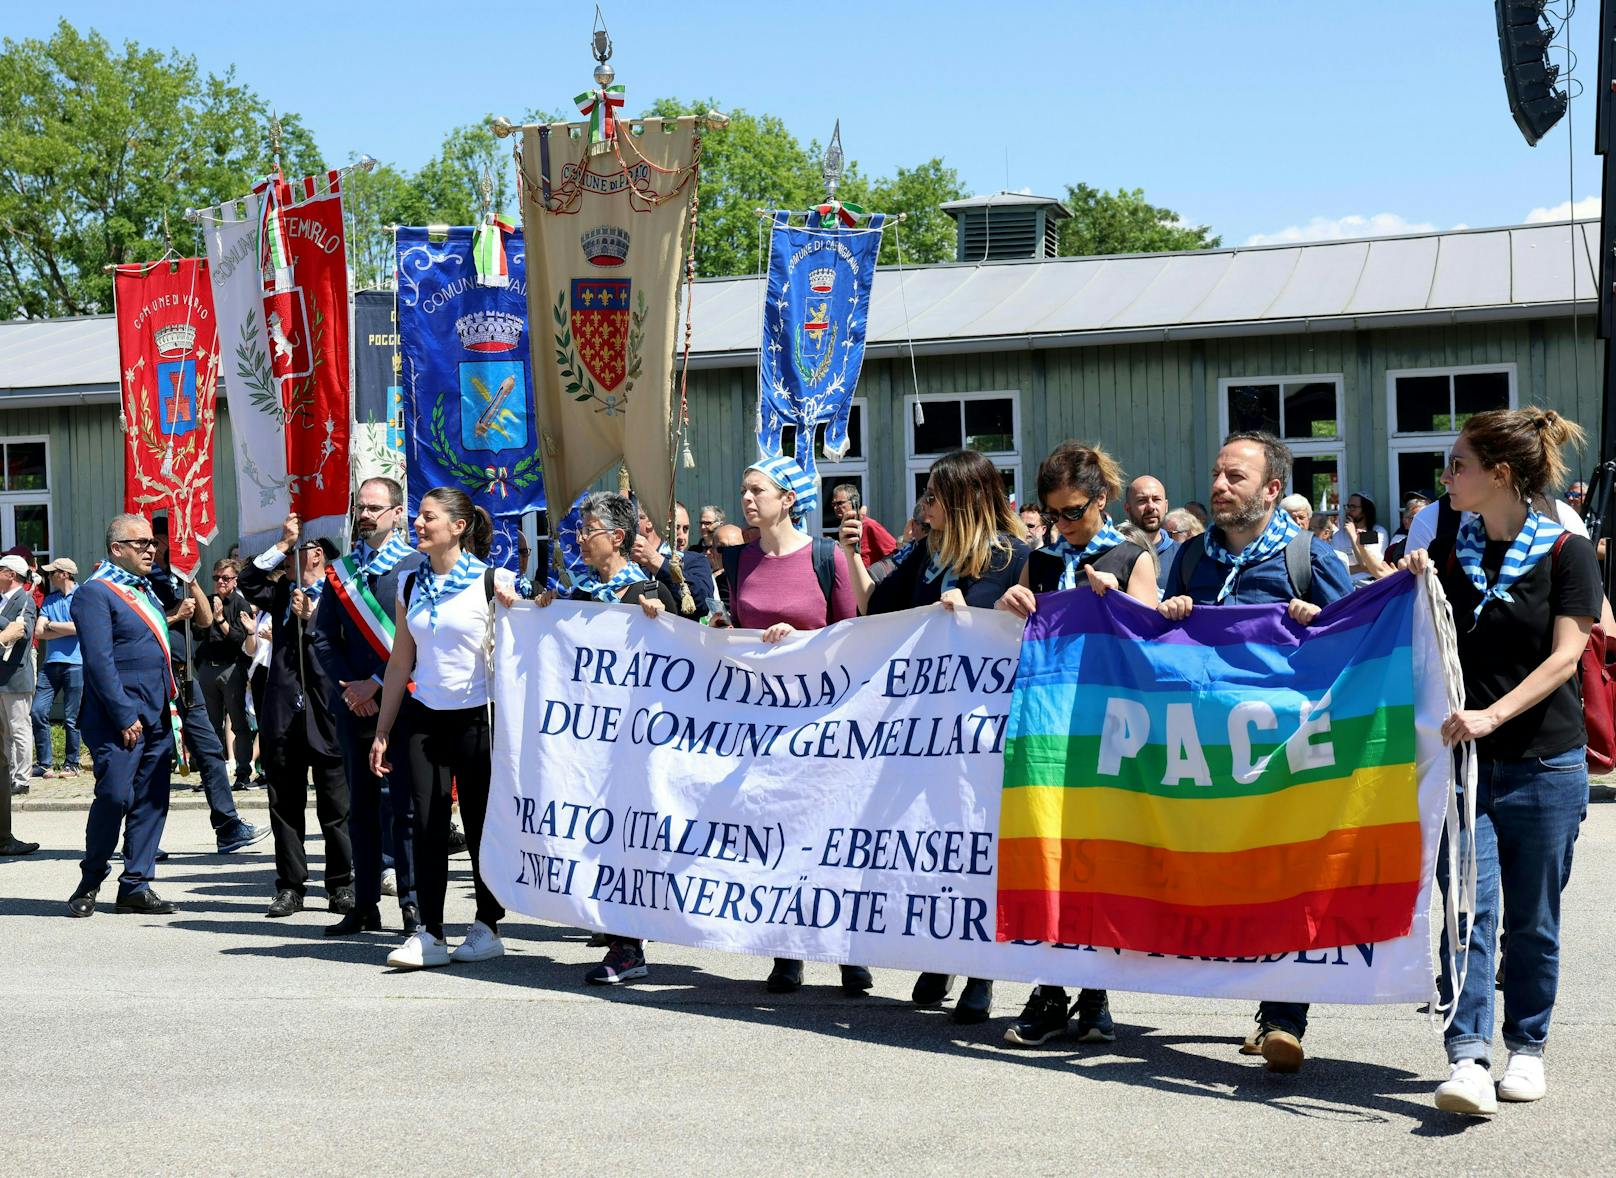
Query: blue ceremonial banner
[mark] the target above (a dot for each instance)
(815, 318)
(467, 387)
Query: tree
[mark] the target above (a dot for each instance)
(1123, 222)
(927, 233)
(101, 149)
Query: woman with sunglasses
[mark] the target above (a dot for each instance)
(1525, 594)
(782, 582)
(1075, 484)
(608, 525)
(975, 550)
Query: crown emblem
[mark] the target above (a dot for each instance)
(489, 331)
(821, 280)
(175, 340)
(605, 245)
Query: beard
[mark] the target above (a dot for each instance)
(1244, 514)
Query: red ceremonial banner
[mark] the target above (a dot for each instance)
(168, 355)
(306, 321)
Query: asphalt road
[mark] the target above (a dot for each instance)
(217, 1041)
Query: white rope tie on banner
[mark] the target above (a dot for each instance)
(1459, 900)
(908, 334)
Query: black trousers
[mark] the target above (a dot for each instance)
(291, 763)
(368, 815)
(441, 751)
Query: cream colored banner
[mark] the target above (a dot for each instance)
(606, 252)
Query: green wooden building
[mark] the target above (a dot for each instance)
(1365, 355)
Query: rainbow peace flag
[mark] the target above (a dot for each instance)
(1231, 786)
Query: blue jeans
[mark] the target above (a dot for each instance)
(67, 678)
(1527, 817)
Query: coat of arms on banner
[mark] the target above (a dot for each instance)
(168, 347)
(493, 411)
(176, 397)
(815, 319)
(286, 317)
(599, 338)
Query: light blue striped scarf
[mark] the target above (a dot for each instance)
(629, 574)
(383, 560)
(1281, 530)
(1104, 540)
(1531, 543)
(430, 589)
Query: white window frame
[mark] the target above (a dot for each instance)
(1411, 441)
(11, 500)
(1335, 447)
(1007, 460)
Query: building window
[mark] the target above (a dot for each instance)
(25, 505)
(1308, 413)
(1426, 409)
(987, 422)
(852, 467)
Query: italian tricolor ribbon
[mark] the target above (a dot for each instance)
(599, 105)
(348, 583)
(847, 214)
(488, 250)
(274, 253)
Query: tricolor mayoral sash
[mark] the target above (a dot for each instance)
(280, 284)
(607, 242)
(374, 619)
(168, 360)
(815, 317)
(467, 386)
(1231, 786)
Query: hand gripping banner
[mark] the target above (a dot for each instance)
(280, 284)
(168, 360)
(815, 318)
(607, 245)
(467, 385)
(858, 794)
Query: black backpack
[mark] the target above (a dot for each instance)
(824, 558)
(1298, 562)
(488, 584)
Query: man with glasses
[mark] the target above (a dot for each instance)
(1575, 494)
(126, 721)
(221, 666)
(185, 605)
(353, 633)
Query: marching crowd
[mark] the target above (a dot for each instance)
(365, 671)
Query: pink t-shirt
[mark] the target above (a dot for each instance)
(785, 589)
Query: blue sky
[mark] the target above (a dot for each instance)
(1261, 119)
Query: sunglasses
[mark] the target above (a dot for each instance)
(224, 576)
(139, 545)
(1070, 514)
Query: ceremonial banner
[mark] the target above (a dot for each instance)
(1233, 784)
(168, 354)
(378, 413)
(836, 797)
(280, 284)
(468, 392)
(815, 317)
(607, 239)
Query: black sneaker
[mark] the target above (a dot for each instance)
(1094, 1023)
(625, 961)
(457, 839)
(1042, 1019)
(343, 901)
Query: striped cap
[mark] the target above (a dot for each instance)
(786, 474)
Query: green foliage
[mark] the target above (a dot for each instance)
(1124, 222)
(756, 163)
(98, 146)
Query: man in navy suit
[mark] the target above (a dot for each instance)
(124, 718)
(352, 632)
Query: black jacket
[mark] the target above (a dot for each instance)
(297, 690)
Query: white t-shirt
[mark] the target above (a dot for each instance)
(1422, 530)
(451, 662)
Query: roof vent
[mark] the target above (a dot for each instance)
(1007, 226)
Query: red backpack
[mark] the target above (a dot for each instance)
(1598, 694)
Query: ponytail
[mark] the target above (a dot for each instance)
(478, 538)
(1531, 442)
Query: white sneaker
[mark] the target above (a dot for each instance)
(421, 950)
(480, 944)
(1468, 1090)
(1523, 1078)
(389, 882)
